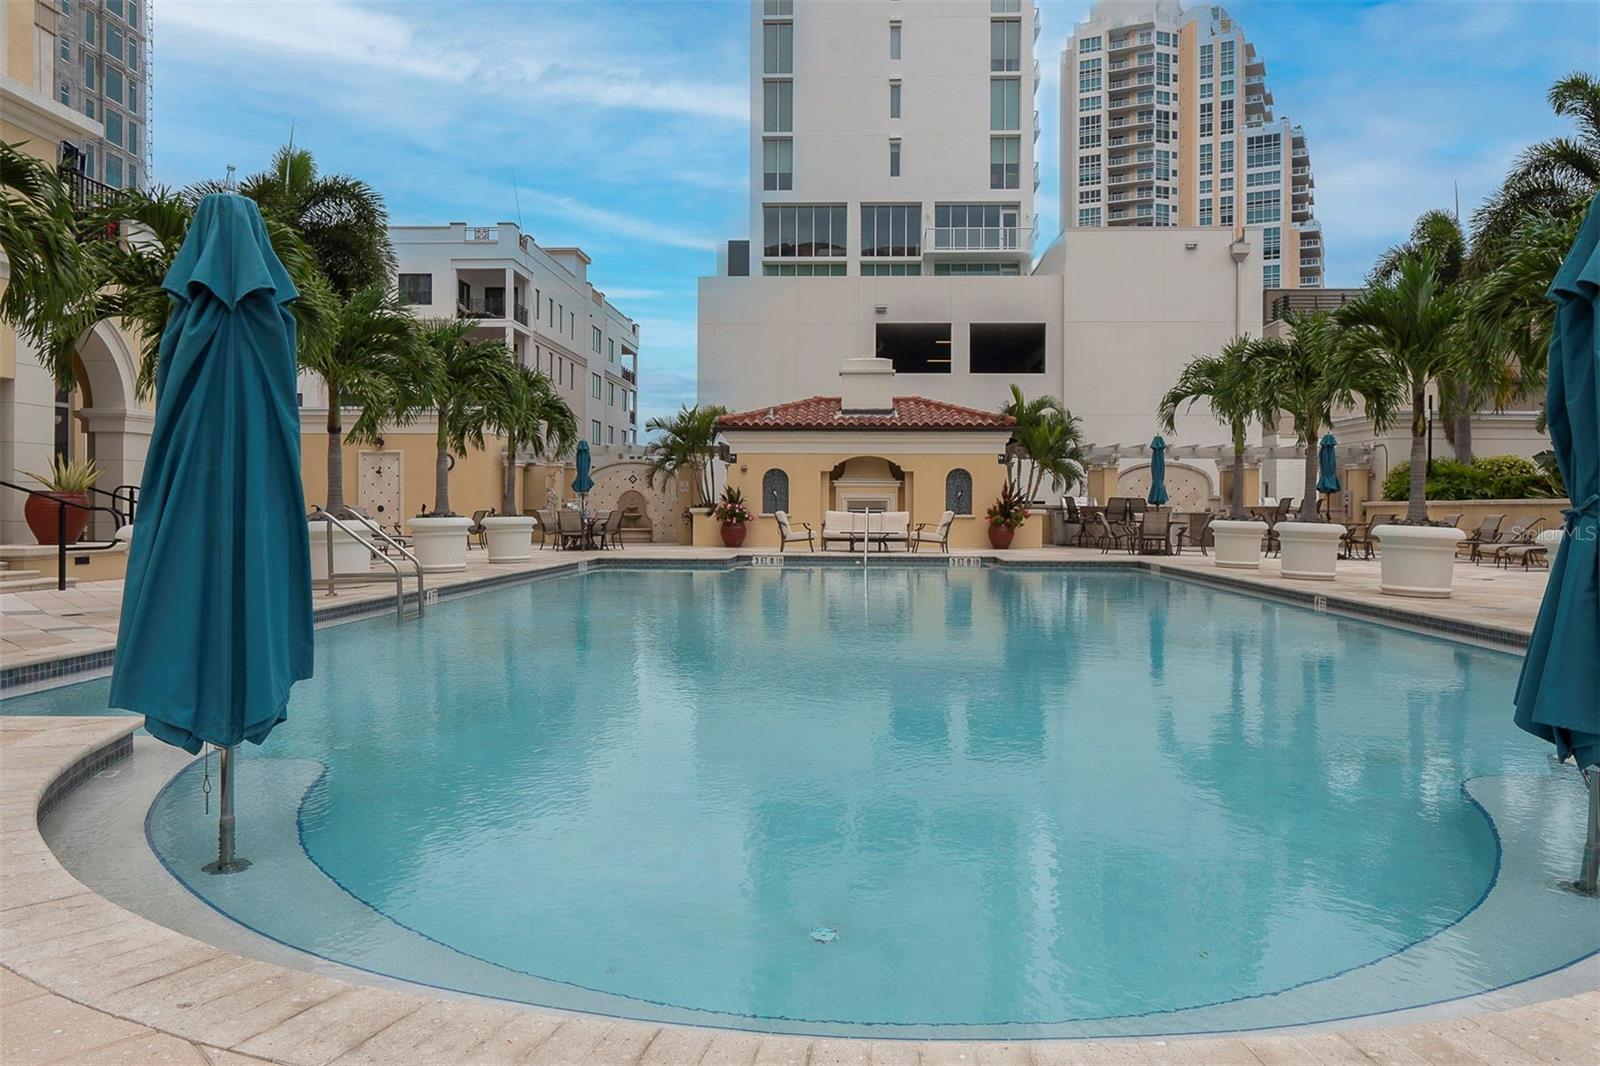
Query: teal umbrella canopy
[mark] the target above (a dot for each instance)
(1556, 695)
(216, 608)
(583, 482)
(1158, 472)
(1327, 465)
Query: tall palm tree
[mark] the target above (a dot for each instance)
(1552, 179)
(1508, 308)
(1300, 374)
(342, 219)
(371, 359)
(1049, 438)
(532, 416)
(1399, 342)
(687, 441)
(49, 272)
(1230, 382)
(465, 389)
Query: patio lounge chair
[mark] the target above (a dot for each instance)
(1515, 544)
(1488, 532)
(939, 534)
(787, 533)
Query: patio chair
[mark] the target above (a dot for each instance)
(611, 532)
(939, 534)
(1449, 521)
(1357, 538)
(1116, 512)
(1199, 533)
(787, 533)
(547, 527)
(1515, 542)
(478, 529)
(569, 524)
(1156, 532)
(1488, 532)
(1073, 520)
(1109, 536)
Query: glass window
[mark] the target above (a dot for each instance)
(133, 54)
(1005, 103)
(611, 394)
(115, 7)
(88, 72)
(113, 171)
(774, 491)
(416, 288)
(595, 338)
(891, 230)
(1088, 131)
(778, 48)
(1225, 158)
(1005, 162)
(88, 106)
(133, 98)
(803, 231)
(88, 29)
(1089, 216)
(1271, 275)
(1089, 75)
(65, 95)
(1005, 44)
(113, 88)
(778, 7)
(894, 99)
(958, 491)
(66, 49)
(1263, 205)
(594, 431)
(1272, 243)
(133, 137)
(113, 127)
(778, 106)
(1005, 7)
(777, 167)
(113, 42)
(594, 385)
(894, 40)
(1088, 44)
(1089, 169)
(894, 157)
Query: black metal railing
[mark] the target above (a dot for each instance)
(62, 547)
(480, 308)
(84, 190)
(1307, 301)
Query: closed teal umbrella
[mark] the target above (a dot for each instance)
(1158, 472)
(1327, 465)
(583, 482)
(1556, 695)
(216, 608)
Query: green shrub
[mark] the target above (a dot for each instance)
(1488, 477)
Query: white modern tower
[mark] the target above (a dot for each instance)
(892, 137)
(1167, 121)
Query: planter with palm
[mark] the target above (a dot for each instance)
(534, 419)
(1230, 383)
(686, 443)
(1047, 443)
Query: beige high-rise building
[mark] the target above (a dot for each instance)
(1167, 121)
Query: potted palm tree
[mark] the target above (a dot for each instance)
(531, 416)
(470, 378)
(734, 515)
(1400, 334)
(369, 360)
(1231, 382)
(66, 483)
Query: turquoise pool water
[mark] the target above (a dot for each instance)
(914, 800)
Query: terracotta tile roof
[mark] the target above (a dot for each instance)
(823, 412)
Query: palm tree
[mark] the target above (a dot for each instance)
(688, 441)
(1230, 382)
(465, 389)
(1299, 374)
(1399, 342)
(1507, 307)
(1050, 438)
(342, 219)
(371, 359)
(535, 417)
(49, 271)
(1552, 179)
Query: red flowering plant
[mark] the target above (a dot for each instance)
(731, 508)
(1010, 510)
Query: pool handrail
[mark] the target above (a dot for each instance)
(318, 514)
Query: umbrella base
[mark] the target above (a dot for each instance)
(232, 867)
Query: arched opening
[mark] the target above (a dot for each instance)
(107, 422)
(867, 482)
(958, 491)
(1188, 487)
(774, 491)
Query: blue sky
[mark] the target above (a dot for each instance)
(619, 125)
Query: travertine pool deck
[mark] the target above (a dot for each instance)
(84, 980)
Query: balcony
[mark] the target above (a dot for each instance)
(990, 244)
(84, 190)
(629, 375)
(520, 313)
(479, 307)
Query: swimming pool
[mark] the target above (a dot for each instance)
(910, 802)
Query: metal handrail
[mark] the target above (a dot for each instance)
(61, 528)
(320, 515)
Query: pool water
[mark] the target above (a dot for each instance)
(910, 797)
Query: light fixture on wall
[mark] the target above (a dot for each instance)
(1190, 245)
(881, 309)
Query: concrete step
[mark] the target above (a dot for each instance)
(29, 581)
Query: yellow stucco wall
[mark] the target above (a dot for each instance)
(475, 482)
(922, 493)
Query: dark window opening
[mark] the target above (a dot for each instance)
(774, 491)
(915, 347)
(416, 288)
(1007, 348)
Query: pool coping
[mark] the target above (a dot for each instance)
(1319, 596)
(75, 944)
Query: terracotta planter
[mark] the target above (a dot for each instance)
(1000, 537)
(732, 534)
(1310, 549)
(43, 518)
(1417, 560)
(1238, 543)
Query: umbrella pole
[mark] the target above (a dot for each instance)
(1589, 879)
(227, 862)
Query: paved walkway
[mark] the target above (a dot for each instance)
(42, 626)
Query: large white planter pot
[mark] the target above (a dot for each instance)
(1417, 560)
(1310, 549)
(440, 544)
(510, 538)
(351, 554)
(1238, 543)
